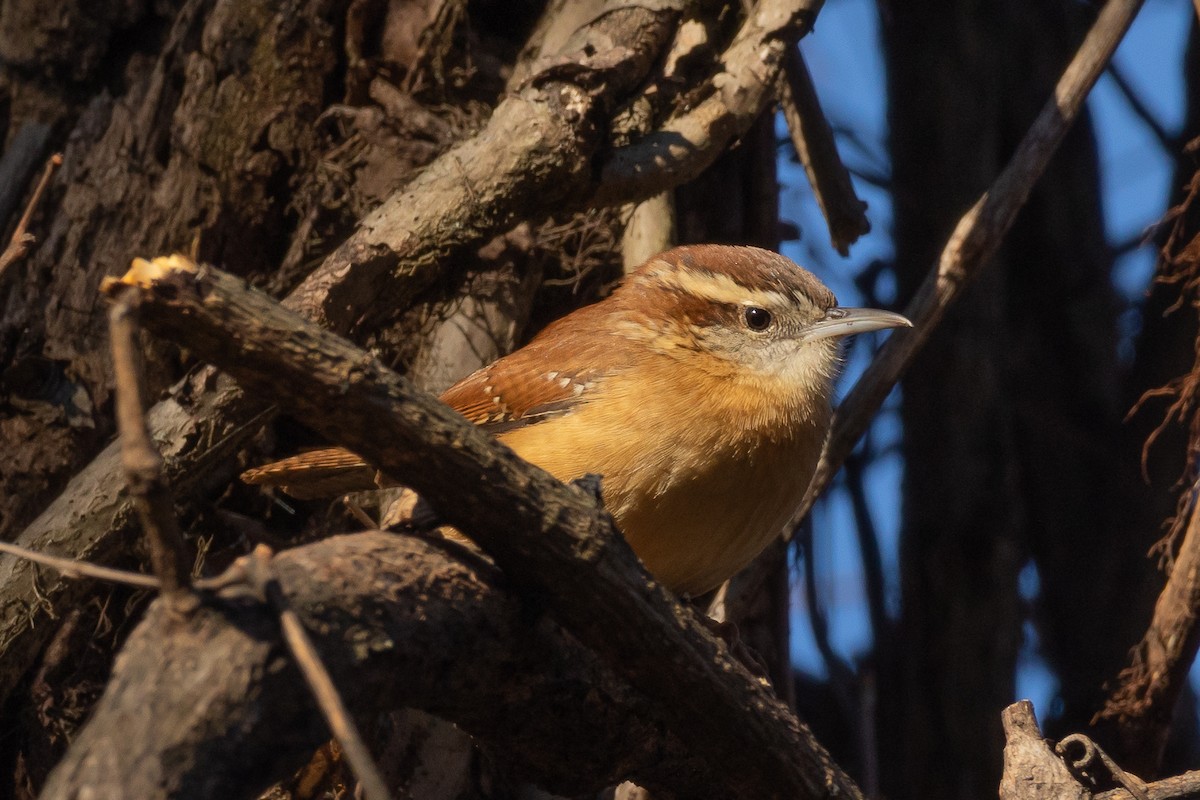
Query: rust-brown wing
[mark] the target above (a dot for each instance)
(507, 395)
(547, 378)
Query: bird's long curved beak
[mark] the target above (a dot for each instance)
(846, 321)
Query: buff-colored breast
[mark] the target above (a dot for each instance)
(697, 502)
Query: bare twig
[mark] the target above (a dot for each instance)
(142, 462)
(333, 708)
(1165, 139)
(1179, 787)
(974, 240)
(845, 213)
(21, 238)
(75, 569)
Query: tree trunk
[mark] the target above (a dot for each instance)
(1012, 415)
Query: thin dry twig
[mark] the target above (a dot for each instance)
(845, 213)
(976, 237)
(141, 460)
(333, 708)
(21, 239)
(1165, 139)
(1179, 787)
(82, 569)
(74, 568)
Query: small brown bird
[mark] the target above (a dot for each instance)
(699, 390)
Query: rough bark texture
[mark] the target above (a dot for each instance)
(210, 706)
(548, 539)
(461, 203)
(261, 134)
(209, 127)
(1031, 769)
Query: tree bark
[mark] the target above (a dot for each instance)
(210, 706)
(461, 199)
(548, 539)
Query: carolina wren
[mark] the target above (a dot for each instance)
(699, 390)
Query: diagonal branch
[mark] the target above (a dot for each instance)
(977, 236)
(845, 214)
(142, 462)
(533, 159)
(549, 539)
(21, 238)
(209, 707)
(316, 675)
(1149, 119)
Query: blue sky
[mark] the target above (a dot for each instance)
(846, 61)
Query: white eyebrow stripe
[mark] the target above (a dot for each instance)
(723, 289)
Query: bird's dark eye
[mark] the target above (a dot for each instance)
(757, 319)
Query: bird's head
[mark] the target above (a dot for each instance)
(756, 315)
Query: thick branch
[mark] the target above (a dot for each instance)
(539, 167)
(533, 159)
(549, 539)
(688, 143)
(1032, 771)
(212, 707)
